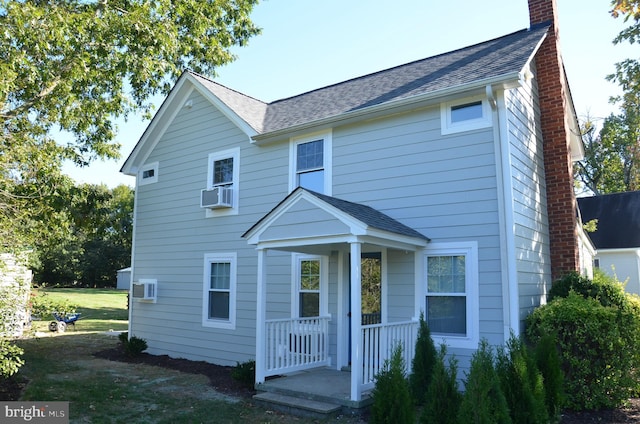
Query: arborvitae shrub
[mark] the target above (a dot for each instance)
(443, 397)
(483, 401)
(392, 403)
(599, 348)
(548, 360)
(424, 360)
(135, 346)
(521, 383)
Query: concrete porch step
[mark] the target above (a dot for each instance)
(297, 406)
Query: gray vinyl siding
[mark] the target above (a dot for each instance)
(173, 235)
(531, 228)
(400, 285)
(443, 186)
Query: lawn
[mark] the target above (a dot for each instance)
(61, 367)
(101, 309)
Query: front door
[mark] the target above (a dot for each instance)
(371, 292)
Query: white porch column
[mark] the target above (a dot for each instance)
(356, 324)
(261, 315)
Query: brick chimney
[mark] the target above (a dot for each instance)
(553, 92)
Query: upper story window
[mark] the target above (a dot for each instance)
(148, 174)
(224, 175)
(223, 172)
(311, 163)
(465, 115)
(451, 298)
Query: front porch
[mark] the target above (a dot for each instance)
(298, 348)
(289, 340)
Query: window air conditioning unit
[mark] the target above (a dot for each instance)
(217, 198)
(145, 290)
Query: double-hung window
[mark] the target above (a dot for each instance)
(309, 290)
(451, 301)
(219, 290)
(311, 163)
(224, 174)
(309, 273)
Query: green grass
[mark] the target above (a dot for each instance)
(101, 309)
(61, 367)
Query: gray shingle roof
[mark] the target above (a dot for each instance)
(491, 59)
(366, 214)
(370, 216)
(618, 218)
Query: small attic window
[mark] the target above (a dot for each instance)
(466, 112)
(465, 115)
(148, 174)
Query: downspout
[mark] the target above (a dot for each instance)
(509, 274)
(133, 269)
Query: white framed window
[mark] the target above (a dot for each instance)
(310, 162)
(310, 282)
(224, 172)
(148, 174)
(219, 290)
(465, 115)
(451, 302)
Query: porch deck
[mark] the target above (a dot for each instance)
(319, 384)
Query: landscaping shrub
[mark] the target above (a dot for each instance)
(483, 401)
(443, 397)
(521, 383)
(547, 359)
(392, 402)
(245, 373)
(135, 346)
(123, 337)
(423, 363)
(602, 288)
(10, 360)
(599, 347)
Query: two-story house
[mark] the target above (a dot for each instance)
(313, 231)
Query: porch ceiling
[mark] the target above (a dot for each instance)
(310, 222)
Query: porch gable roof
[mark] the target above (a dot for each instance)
(358, 222)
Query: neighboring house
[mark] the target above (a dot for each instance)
(617, 235)
(123, 278)
(15, 287)
(448, 179)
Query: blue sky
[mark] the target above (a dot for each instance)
(308, 44)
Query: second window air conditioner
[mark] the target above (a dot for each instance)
(217, 198)
(145, 290)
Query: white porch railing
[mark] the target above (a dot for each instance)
(378, 342)
(294, 344)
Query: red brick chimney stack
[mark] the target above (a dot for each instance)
(552, 89)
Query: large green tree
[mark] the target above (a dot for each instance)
(96, 241)
(611, 163)
(74, 65)
(612, 156)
